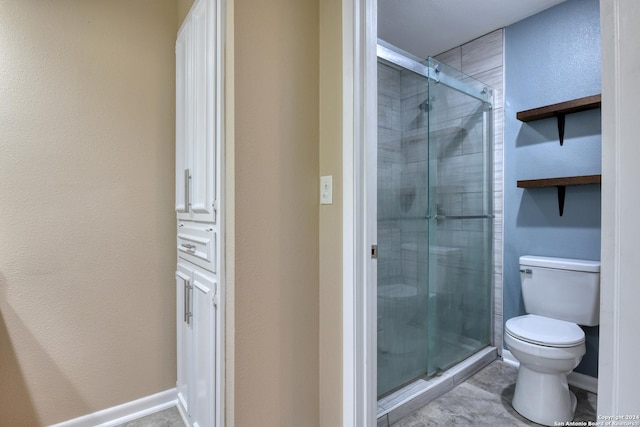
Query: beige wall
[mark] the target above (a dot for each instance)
(87, 305)
(331, 216)
(276, 64)
(229, 205)
(183, 9)
(86, 189)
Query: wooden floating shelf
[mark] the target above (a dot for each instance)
(555, 182)
(560, 184)
(560, 110)
(568, 107)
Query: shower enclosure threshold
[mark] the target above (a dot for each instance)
(399, 404)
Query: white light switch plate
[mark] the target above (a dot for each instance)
(326, 190)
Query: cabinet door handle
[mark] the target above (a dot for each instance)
(185, 298)
(188, 246)
(187, 187)
(188, 313)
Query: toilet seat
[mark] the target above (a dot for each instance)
(545, 331)
(397, 291)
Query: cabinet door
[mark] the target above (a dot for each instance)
(196, 115)
(204, 289)
(204, 115)
(196, 316)
(184, 334)
(184, 54)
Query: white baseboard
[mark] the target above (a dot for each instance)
(583, 381)
(126, 412)
(183, 414)
(576, 379)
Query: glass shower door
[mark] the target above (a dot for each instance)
(460, 221)
(434, 219)
(402, 228)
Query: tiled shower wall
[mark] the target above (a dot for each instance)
(483, 60)
(390, 165)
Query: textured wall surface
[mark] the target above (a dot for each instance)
(276, 213)
(87, 305)
(330, 239)
(183, 9)
(552, 57)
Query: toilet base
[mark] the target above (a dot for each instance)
(544, 398)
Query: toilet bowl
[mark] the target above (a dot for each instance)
(559, 294)
(398, 305)
(548, 350)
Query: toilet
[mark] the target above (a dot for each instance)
(398, 304)
(559, 294)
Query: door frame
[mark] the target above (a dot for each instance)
(359, 41)
(619, 317)
(359, 26)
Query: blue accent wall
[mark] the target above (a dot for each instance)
(552, 57)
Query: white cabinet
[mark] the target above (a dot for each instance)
(196, 292)
(197, 115)
(199, 237)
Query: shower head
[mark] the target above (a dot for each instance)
(425, 106)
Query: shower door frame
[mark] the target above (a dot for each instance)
(438, 76)
(405, 60)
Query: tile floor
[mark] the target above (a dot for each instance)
(482, 400)
(485, 400)
(167, 418)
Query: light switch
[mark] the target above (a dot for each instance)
(326, 190)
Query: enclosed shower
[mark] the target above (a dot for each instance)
(435, 218)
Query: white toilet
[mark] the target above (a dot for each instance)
(398, 304)
(559, 294)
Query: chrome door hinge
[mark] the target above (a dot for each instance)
(214, 205)
(374, 251)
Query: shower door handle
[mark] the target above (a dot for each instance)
(444, 217)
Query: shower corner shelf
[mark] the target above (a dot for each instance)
(560, 184)
(560, 110)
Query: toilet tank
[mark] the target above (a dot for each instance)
(561, 288)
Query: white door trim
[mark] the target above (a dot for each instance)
(220, 298)
(358, 388)
(359, 27)
(619, 317)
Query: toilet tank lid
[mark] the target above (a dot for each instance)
(560, 263)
